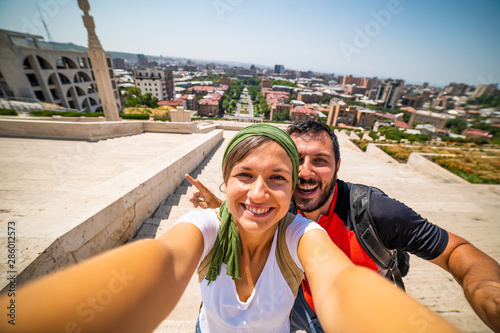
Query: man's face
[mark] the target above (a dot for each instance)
(317, 172)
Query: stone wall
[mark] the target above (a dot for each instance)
(119, 207)
(76, 129)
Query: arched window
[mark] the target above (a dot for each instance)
(44, 64)
(52, 79)
(86, 106)
(64, 79)
(82, 62)
(33, 80)
(65, 62)
(79, 91)
(69, 63)
(92, 88)
(26, 63)
(81, 77)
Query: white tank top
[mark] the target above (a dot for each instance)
(268, 307)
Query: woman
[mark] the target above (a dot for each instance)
(134, 287)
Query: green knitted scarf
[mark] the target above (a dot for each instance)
(227, 247)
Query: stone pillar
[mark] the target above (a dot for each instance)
(99, 66)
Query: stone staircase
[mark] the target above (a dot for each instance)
(183, 317)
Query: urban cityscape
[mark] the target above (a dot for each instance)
(100, 138)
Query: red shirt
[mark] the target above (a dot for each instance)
(344, 238)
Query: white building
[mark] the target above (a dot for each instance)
(159, 83)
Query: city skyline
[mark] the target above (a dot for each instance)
(418, 41)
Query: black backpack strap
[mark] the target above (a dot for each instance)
(368, 236)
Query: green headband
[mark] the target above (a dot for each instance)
(272, 132)
(227, 247)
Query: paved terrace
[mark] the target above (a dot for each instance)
(70, 200)
(49, 186)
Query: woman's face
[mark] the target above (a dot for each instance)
(260, 187)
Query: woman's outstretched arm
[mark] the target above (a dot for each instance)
(128, 289)
(350, 298)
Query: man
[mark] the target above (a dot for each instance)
(323, 198)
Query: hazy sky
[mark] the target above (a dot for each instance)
(416, 40)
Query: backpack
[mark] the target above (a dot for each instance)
(393, 264)
(291, 272)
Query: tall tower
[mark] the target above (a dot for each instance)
(99, 66)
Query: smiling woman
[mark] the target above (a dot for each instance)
(263, 249)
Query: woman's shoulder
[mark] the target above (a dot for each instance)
(200, 213)
(299, 226)
(201, 217)
(301, 222)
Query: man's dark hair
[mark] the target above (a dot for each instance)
(312, 127)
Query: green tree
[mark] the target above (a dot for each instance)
(326, 99)
(291, 98)
(150, 100)
(132, 97)
(282, 83)
(282, 116)
(456, 125)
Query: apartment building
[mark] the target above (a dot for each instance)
(160, 83)
(389, 92)
(302, 113)
(30, 69)
(279, 69)
(226, 80)
(209, 106)
(427, 117)
(265, 83)
(341, 113)
(365, 82)
(310, 97)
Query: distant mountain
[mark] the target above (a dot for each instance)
(131, 57)
(63, 46)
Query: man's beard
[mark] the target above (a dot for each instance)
(306, 205)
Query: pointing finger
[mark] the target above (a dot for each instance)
(196, 183)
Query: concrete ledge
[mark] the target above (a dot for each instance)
(57, 118)
(107, 215)
(374, 151)
(346, 142)
(424, 165)
(81, 129)
(205, 127)
(237, 126)
(91, 131)
(169, 127)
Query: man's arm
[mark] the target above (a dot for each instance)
(351, 298)
(479, 276)
(400, 227)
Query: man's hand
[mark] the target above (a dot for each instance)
(479, 276)
(203, 198)
(488, 294)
